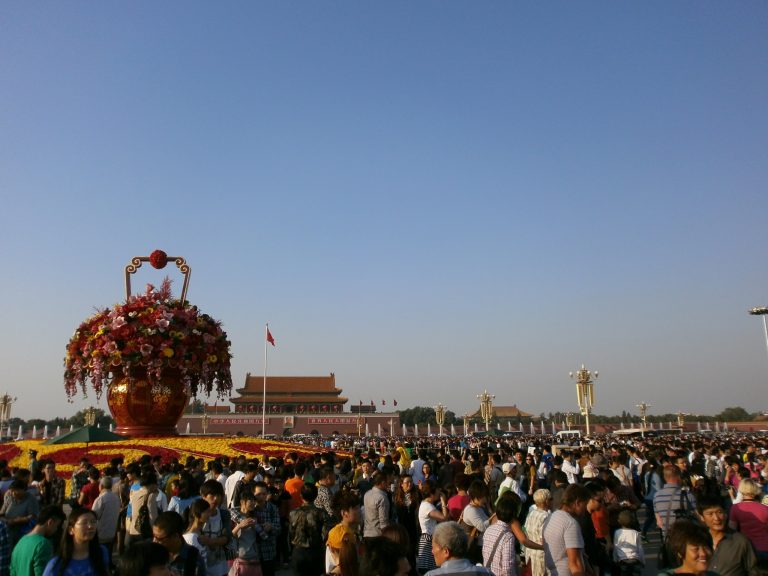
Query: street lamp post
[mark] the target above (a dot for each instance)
(6, 401)
(465, 418)
(643, 416)
(486, 408)
(90, 416)
(585, 392)
(762, 311)
(204, 423)
(569, 420)
(359, 424)
(440, 418)
(681, 419)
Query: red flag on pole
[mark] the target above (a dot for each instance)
(394, 402)
(372, 404)
(269, 337)
(383, 402)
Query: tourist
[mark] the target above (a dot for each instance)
(383, 557)
(343, 536)
(672, 501)
(376, 503)
(269, 519)
(107, 510)
(510, 482)
(570, 466)
(294, 484)
(217, 533)
(620, 471)
(494, 476)
(534, 527)
(417, 468)
(406, 500)
(476, 518)
(79, 479)
(128, 486)
(305, 525)
(651, 483)
(449, 548)
(33, 552)
(628, 553)
(232, 481)
(19, 510)
(750, 517)
(362, 480)
(187, 494)
(185, 559)
(52, 487)
(429, 516)
(564, 542)
(459, 501)
(80, 553)
(733, 554)
(90, 491)
(691, 548)
(144, 496)
(326, 480)
(280, 497)
(247, 533)
(199, 512)
(144, 559)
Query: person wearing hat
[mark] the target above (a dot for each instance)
(510, 483)
(344, 534)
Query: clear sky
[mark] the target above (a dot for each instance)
(427, 198)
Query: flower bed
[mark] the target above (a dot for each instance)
(67, 456)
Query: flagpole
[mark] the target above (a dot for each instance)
(264, 389)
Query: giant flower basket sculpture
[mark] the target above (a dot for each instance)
(151, 353)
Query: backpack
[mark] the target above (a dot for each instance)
(143, 524)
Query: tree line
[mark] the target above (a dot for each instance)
(426, 415)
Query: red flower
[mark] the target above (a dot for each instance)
(158, 259)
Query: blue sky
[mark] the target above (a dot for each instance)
(427, 198)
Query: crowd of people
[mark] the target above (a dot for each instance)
(506, 507)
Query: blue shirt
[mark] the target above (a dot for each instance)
(76, 567)
(459, 565)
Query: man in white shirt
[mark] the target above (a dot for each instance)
(570, 467)
(231, 484)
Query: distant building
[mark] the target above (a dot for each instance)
(290, 395)
(294, 405)
(504, 413)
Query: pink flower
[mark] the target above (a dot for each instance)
(118, 322)
(146, 349)
(162, 324)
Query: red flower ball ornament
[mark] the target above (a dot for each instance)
(158, 259)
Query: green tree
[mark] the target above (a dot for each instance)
(734, 414)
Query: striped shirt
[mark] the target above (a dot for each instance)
(503, 561)
(668, 500)
(561, 533)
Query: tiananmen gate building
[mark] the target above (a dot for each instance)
(294, 405)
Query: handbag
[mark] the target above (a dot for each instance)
(474, 551)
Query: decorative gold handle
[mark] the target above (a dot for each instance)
(158, 259)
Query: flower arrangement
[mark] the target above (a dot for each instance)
(145, 336)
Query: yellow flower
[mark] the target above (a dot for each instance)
(168, 352)
(212, 358)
